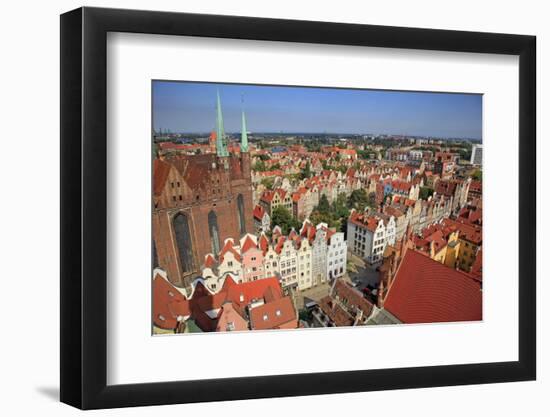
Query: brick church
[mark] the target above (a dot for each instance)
(198, 202)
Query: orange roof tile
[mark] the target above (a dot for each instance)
(168, 304)
(273, 315)
(161, 170)
(258, 212)
(248, 244)
(425, 291)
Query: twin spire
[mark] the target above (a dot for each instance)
(221, 140)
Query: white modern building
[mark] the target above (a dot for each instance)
(477, 155)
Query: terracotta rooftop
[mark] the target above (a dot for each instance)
(273, 315)
(209, 261)
(229, 247)
(258, 212)
(248, 244)
(337, 314)
(363, 220)
(161, 170)
(467, 232)
(168, 304)
(425, 291)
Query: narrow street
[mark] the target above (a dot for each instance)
(361, 274)
(311, 294)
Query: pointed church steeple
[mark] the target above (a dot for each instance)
(244, 135)
(221, 145)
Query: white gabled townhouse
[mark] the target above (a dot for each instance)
(288, 263)
(336, 255)
(305, 267)
(369, 234)
(319, 252)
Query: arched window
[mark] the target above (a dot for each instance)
(214, 232)
(155, 256)
(183, 241)
(240, 206)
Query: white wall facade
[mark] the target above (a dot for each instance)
(336, 256)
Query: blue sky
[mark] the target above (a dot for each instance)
(190, 107)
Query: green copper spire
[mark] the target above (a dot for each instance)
(221, 146)
(244, 135)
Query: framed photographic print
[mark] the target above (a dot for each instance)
(258, 208)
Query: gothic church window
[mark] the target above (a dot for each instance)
(183, 241)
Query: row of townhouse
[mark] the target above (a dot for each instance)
(301, 200)
(368, 233)
(300, 260)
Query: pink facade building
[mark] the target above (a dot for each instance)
(252, 259)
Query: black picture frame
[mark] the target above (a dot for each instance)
(84, 207)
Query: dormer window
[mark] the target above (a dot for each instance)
(278, 313)
(161, 317)
(265, 317)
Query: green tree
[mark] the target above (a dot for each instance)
(323, 206)
(371, 201)
(425, 193)
(284, 219)
(477, 175)
(359, 200)
(339, 207)
(259, 166)
(306, 171)
(268, 182)
(317, 217)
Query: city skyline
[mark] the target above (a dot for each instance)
(190, 107)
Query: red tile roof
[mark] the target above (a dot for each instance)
(263, 243)
(470, 216)
(248, 244)
(467, 232)
(360, 219)
(446, 187)
(402, 186)
(258, 212)
(268, 196)
(254, 290)
(209, 261)
(168, 304)
(161, 170)
(477, 266)
(228, 247)
(337, 314)
(425, 291)
(393, 211)
(279, 245)
(274, 315)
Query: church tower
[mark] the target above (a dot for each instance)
(221, 140)
(245, 155)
